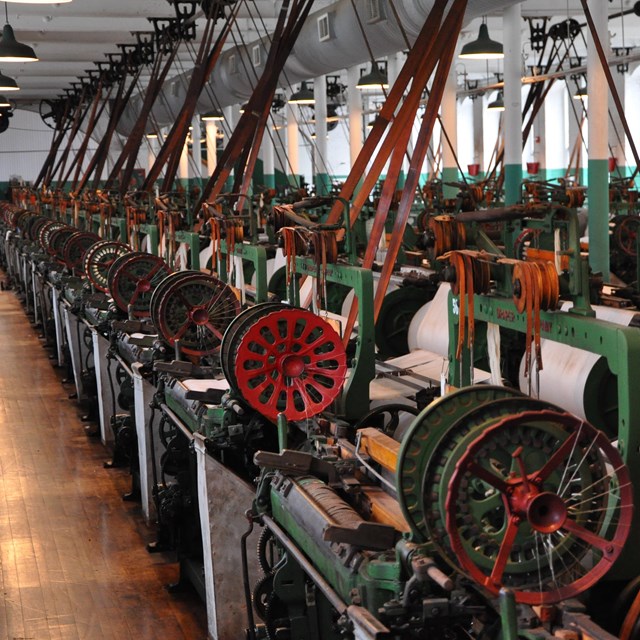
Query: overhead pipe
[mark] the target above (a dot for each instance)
(310, 58)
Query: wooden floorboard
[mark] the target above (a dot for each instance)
(73, 563)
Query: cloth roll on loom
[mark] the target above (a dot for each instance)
(429, 328)
(577, 380)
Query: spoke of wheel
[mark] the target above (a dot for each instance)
(608, 476)
(573, 475)
(537, 543)
(606, 546)
(505, 551)
(490, 478)
(134, 296)
(181, 331)
(599, 495)
(184, 301)
(573, 448)
(557, 458)
(214, 330)
(615, 506)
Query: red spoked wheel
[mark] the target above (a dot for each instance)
(44, 234)
(194, 309)
(76, 246)
(541, 503)
(625, 233)
(57, 240)
(290, 361)
(132, 280)
(98, 260)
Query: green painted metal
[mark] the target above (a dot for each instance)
(598, 201)
(421, 442)
(508, 615)
(378, 577)
(449, 174)
(322, 183)
(354, 401)
(152, 232)
(512, 183)
(193, 240)
(257, 256)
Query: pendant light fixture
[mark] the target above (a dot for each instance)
(497, 104)
(7, 83)
(581, 93)
(375, 80)
(303, 96)
(212, 116)
(10, 49)
(483, 47)
(4, 102)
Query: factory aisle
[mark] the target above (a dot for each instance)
(73, 563)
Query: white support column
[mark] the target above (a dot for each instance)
(293, 143)
(354, 105)
(450, 126)
(598, 190)
(268, 158)
(555, 126)
(230, 117)
(153, 147)
(196, 148)
(512, 18)
(211, 129)
(322, 182)
(183, 167)
(478, 133)
(616, 131)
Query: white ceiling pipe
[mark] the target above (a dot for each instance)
(310, 57)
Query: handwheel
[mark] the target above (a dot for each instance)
(57, 240)
(234, 332)
(543, 488)
(99, 258)
(45, 232)
(195, 310)
(290, 361)
(132, 279)
(625, 234)
(76, 246)
(158, 293)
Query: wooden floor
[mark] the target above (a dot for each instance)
(73, 562)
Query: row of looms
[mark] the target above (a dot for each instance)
(374, 408)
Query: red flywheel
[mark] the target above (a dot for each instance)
(290, 361)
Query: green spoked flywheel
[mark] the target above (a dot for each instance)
(421, 440)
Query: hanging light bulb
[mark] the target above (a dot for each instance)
(483, 47)
(4, 102)
(497, 104)
(212, 116)
(581, 93)
(7, 83)
(375, 80)
(303, 96)
(10, 49)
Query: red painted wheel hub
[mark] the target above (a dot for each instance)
(573, 506)
(290, 361)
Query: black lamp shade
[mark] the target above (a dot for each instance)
(374, 80)
(7, 83)
(303, 96)
(483, 47)
(13, 51)
(497, 104)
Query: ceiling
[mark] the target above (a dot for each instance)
(69, 38)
